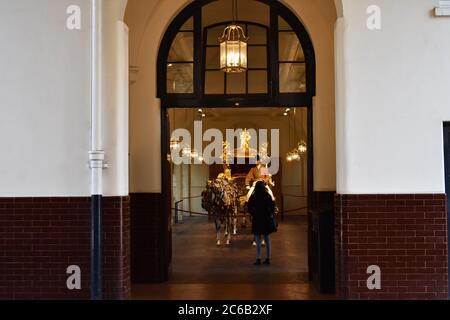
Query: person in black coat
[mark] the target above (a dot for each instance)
(262, 208)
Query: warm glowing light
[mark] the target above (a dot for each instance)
(186, 152)
(295, 156)
(233, 50)
(194, 154)
(174, 144)
(302, 147)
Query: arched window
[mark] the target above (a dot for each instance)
(281, 62)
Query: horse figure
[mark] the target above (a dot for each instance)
(220, 200)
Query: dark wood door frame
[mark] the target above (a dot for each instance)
(198, 99)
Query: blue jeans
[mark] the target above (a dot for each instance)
(258, 246)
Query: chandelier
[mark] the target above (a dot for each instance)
(297, 153)
(302, 147)
(233, 47)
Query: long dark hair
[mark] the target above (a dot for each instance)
(260, 190)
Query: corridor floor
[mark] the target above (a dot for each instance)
(202, 271)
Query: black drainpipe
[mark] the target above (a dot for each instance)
(96, 248)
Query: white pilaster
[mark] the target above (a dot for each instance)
(96, 155)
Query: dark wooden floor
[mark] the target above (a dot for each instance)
(202, 271)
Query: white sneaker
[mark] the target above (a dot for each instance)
(254, 243)
(263, 243)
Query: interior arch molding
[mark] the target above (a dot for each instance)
(275, 96)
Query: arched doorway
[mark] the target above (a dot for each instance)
(187, 77)
(198, 98)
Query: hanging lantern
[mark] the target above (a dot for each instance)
(233, 46)
(233, 50)
(295, 156)
(289, 157)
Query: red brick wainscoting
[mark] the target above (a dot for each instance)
(41, 237)
(405, 235)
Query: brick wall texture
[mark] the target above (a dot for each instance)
(405, 235)
(41, 237)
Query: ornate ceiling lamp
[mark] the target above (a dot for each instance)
(301, 149)
(233, 47)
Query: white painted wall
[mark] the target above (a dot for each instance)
(44, 99)
(392, 97)
(148, 20)
(395, 97)
(45, 94)
(115, 99)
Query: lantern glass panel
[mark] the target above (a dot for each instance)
(233, 56)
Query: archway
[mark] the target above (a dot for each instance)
(168, 101)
